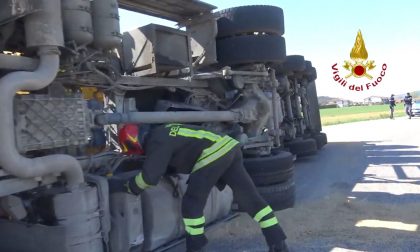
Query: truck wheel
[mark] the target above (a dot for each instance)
(271, 169)
(293, 63)
(250, 19)
(308, 65)
(314, 115)
(250, 49)
(321, 139)
(311, 74)
(279, 196)
(302, 147)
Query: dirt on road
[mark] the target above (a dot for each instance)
(360, 193)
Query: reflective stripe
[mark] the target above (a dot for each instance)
(215, 147)
(124, 148)
(268, 223)
(200, 134)
(194, 222)
(172, 124)
(133, 139)
(207, 159)
(261, 214)
(221, 146)
(194, 231)
(140, 181)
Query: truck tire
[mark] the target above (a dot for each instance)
(311, 74)
(321, 139)
(308, 65)
(279, 196)
(294, 63)
(272, 169)
(302, 147)
(314, 115)
(250, 19)
(250, 49)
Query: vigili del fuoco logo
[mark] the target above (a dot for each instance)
(359, 67)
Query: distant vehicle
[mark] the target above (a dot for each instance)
(415, 110)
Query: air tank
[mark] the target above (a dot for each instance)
(77, 21)
(44, 27)
(106, 24)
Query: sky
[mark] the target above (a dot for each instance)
(324, 32)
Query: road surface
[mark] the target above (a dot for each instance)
(360, 193)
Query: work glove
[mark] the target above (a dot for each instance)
(132, 186)
(124, 185)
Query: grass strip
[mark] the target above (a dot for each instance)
(332, 116)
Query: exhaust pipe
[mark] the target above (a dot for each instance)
(44, 30)
(10, 159)
(168, 117)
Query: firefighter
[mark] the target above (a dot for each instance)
(408, 101)
(391, 106)
(210, 159)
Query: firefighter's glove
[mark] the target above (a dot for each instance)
(132, 187)
(124, 185)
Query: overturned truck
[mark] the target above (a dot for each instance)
(69, 79)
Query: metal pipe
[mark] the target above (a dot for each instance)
(304, 103)
(12, 62)
(206, 76)
(10, 159)
(167, 117)
(229, 72)
(289, 111)
(298, 106)
(274, 85)
(297, 100)
(44, 31)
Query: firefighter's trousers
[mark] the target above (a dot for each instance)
(228, 169)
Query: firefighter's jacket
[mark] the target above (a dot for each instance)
(180, 148)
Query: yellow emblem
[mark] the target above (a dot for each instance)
(360, 65)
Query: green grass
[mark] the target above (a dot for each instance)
(331, 116)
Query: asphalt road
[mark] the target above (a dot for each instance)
(360, 193)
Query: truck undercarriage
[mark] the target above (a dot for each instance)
(69, 79)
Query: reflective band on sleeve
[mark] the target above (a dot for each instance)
(194, 222)
(140, 182)
(200, 134)
(194, 231)
(203, 161)
(261, 214)
(268, 223)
